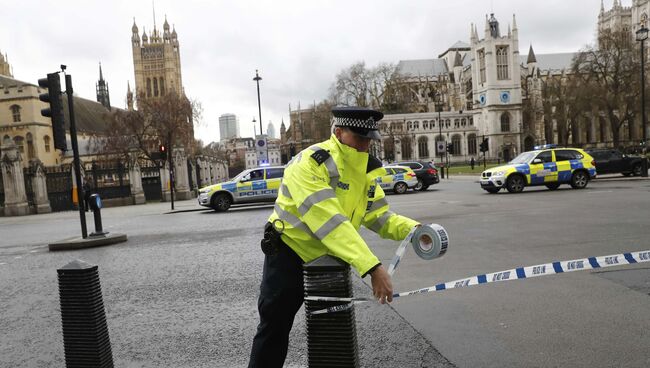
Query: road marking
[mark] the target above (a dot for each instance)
(3, 263)
(601, 191)
(33, 251)
(18, 257)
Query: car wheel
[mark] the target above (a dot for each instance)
(627, 174)
(579, 180)
(221, 202)
(492, 190)
(400, 188)
(419, 185)
(637, 170)
(553, 186)
(515, 183)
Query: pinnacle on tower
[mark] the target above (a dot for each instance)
(531, 56)
(602, 7)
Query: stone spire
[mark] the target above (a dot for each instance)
(129, 96)
(494, 27)
(531, 56)
(602, 7)
(103, 96)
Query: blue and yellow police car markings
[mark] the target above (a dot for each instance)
(231, 187)
(260, 184)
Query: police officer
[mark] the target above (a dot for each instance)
(327, 193)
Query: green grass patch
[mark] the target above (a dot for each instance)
(467, 170)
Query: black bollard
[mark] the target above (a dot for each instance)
(85, 333)
(331, 337)
(96, 206)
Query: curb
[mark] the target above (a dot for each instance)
(89, 242)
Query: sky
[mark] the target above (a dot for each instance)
(298, 46)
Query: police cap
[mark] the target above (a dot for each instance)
(360, 120)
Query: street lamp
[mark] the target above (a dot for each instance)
(641, 36)
(257, 80)
(254, 129)
(438, 102)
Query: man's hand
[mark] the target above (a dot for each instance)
(382, 288)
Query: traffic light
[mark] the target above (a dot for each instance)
(55, 111)
(163, 152)
(450, 148)
(484, 145)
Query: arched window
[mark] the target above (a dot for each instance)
(416, 125)
(389, 149)
(155, 87)
(456, 123)
(46, 140)
(409, 126)
(425, 125)
(15, 113)
(162, 86)
(423, 147)
(471, 144)
(20, 141)
(463, 122)
(406, 148)
(502, 62)
(30, 146)
(447, 123)
(455, 140)
(505, 122)
(433, 124)
(148, 87)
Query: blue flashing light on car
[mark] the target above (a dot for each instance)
(545, 146)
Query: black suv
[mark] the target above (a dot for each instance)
(426, 173)
(612, 161)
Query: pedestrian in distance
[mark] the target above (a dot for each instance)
(88, 191)
(327, 193)
(472, 163)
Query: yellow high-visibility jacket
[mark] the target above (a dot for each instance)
(325, 196)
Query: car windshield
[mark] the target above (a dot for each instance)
(523, 158)
(240, 175)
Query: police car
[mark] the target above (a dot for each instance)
(546, 165)
(398, 179)
(253, 185)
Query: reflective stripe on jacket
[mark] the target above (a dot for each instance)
(322, 205)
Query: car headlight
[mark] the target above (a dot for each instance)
(204, 190)
(498, 173)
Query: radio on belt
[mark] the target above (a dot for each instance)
(430, 241)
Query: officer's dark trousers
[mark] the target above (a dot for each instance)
(281, 295)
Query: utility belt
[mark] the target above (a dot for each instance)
(271, 242)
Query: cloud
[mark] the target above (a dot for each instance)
(298, 46)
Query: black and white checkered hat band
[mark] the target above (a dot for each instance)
(369, 123)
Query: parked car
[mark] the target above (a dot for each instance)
(546, 165)
(398, 179)
(253, 185)
(613, 161)
(426, 173)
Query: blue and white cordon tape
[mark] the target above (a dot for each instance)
(545, 269)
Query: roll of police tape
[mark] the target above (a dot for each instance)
(428, 241)
(518, 273)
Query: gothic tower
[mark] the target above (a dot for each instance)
(5, 68)
(102, 90)
(496, 88)
(156, 61)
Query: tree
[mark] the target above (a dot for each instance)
(611, 78)
(167, 120)
(381, 87)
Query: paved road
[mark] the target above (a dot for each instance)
(181, 292)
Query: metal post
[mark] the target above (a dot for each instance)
(83, 318)
(331, 337)
(641, 36)
(171, 168)
(75, 153)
